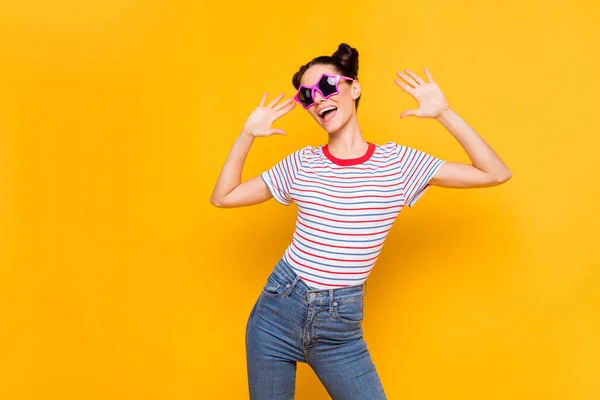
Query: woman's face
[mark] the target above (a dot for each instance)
(342, 104)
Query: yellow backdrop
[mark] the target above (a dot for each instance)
(119, 280)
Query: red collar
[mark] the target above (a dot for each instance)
(349, 161)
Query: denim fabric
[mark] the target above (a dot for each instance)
(292, 323)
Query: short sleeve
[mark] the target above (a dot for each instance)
(417, 169)
(280, 178)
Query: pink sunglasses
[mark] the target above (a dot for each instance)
(327, 86)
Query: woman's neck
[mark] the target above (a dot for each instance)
(347, 142)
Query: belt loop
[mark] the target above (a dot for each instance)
(330, 300)
(366, 288)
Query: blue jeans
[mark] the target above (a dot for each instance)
(291, 322)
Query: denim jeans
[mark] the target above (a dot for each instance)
(292, 323)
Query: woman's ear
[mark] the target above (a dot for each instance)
(356, 89)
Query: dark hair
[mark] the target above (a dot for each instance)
(345, 60)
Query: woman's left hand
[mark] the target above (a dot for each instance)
(428, 94)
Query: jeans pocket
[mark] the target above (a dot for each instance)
(276, 286)
(349, 311)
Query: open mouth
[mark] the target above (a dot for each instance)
(328, 113)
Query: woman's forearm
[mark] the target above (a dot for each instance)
(231, 174)
(481, 154)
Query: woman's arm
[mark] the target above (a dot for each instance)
(229, 190)
(487, 168)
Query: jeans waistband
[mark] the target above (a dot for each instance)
(285, 271)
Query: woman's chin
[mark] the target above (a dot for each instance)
(331, 129)
(332, 126)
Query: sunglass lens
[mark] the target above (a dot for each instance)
(305, 96)
(327, 85)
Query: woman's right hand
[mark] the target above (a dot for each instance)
(260, 121)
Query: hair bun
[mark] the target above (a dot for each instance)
(348, 57)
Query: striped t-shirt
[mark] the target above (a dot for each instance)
(346, 207)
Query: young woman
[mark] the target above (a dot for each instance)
(348, 194)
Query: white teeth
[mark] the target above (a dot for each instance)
(326, 109)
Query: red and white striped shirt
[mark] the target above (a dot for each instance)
(346, 207)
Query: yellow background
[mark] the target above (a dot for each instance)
(119, 280)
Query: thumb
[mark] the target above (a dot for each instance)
(409, 113)
(276, 131)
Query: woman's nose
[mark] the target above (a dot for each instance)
(317, 97)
